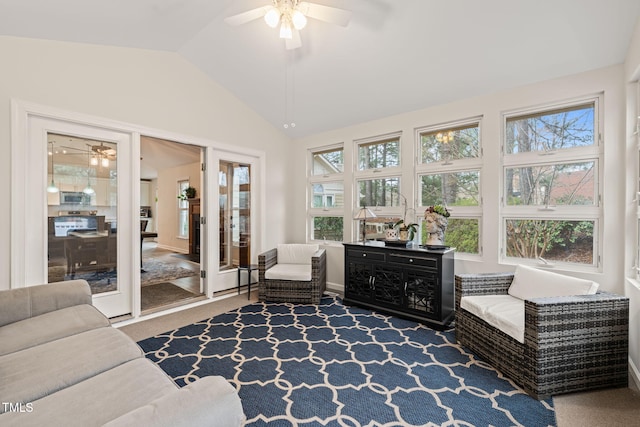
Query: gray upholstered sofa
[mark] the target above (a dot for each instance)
(61, 363)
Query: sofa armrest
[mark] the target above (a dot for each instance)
(601, 316)
(209, 401)
(266, 260)
(23, 303)
(481, 284)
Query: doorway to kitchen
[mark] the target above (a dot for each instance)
(171, 190)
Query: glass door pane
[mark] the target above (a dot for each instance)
(82, 196)
(235, 214)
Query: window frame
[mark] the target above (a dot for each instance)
(313, 179)
(466, 164)
(561, 156)
(183, 206)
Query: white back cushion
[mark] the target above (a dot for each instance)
(529, 282)
(296, 253)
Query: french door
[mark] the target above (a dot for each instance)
(73, 214)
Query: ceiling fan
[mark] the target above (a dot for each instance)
(292, 16)
(99, 155)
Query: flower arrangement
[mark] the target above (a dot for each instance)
(439, 209)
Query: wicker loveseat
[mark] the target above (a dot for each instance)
(292, 273)
(571, 343)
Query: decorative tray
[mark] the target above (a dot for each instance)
(400, 243)
(435, 247)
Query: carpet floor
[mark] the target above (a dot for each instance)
(334, 365)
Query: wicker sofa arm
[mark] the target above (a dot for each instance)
(481, 284)
(576, 318)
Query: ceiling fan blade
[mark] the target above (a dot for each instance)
(328, 14)
(294, 42)
(244, 17)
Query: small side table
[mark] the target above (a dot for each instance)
(248, 268)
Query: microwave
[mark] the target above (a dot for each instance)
(74, 198)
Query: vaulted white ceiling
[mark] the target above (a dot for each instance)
(394, 56)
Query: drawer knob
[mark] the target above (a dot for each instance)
(364, 254)
(410, 259)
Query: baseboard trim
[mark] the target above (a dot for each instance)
(335, 287)
(634, 375)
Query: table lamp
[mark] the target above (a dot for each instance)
(362, 215)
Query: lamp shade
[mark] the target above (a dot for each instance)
(364, 213)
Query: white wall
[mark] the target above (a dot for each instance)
(632, 290)
(608, 80)
(158, 90)
(167, 213)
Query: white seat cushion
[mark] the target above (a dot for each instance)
(529, 282)
(298, 272)
(296, 253)
(503, 312)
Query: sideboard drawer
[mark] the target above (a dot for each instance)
(368, 255)
(413, 260)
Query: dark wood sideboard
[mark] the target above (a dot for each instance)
(410, 282)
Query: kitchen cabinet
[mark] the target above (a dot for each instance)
(410, 282)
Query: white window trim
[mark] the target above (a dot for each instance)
(320, 179)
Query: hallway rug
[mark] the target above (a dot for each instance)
(163, 293)
(154, 272)
(336, 365)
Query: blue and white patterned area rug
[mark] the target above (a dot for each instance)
(335, 365)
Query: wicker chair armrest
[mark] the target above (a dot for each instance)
(574, 317)
(319, 264)
(266, 260)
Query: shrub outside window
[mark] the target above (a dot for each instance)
(328, 228)
(551, 192)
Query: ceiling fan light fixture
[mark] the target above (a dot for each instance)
(299, 20)
(272, 17)
(105, 162)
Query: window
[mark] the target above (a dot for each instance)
(551, 191)
(183, 210)
(379, 154)
(448, 173)
(377, 184)
(326, 194)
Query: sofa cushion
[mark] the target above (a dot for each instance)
(208, 401)
(98, 399)
(49, 327)
(503, 312)
(296, 253)
(22, 303)
(35, 372)
(297, 272)
(529, 282)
